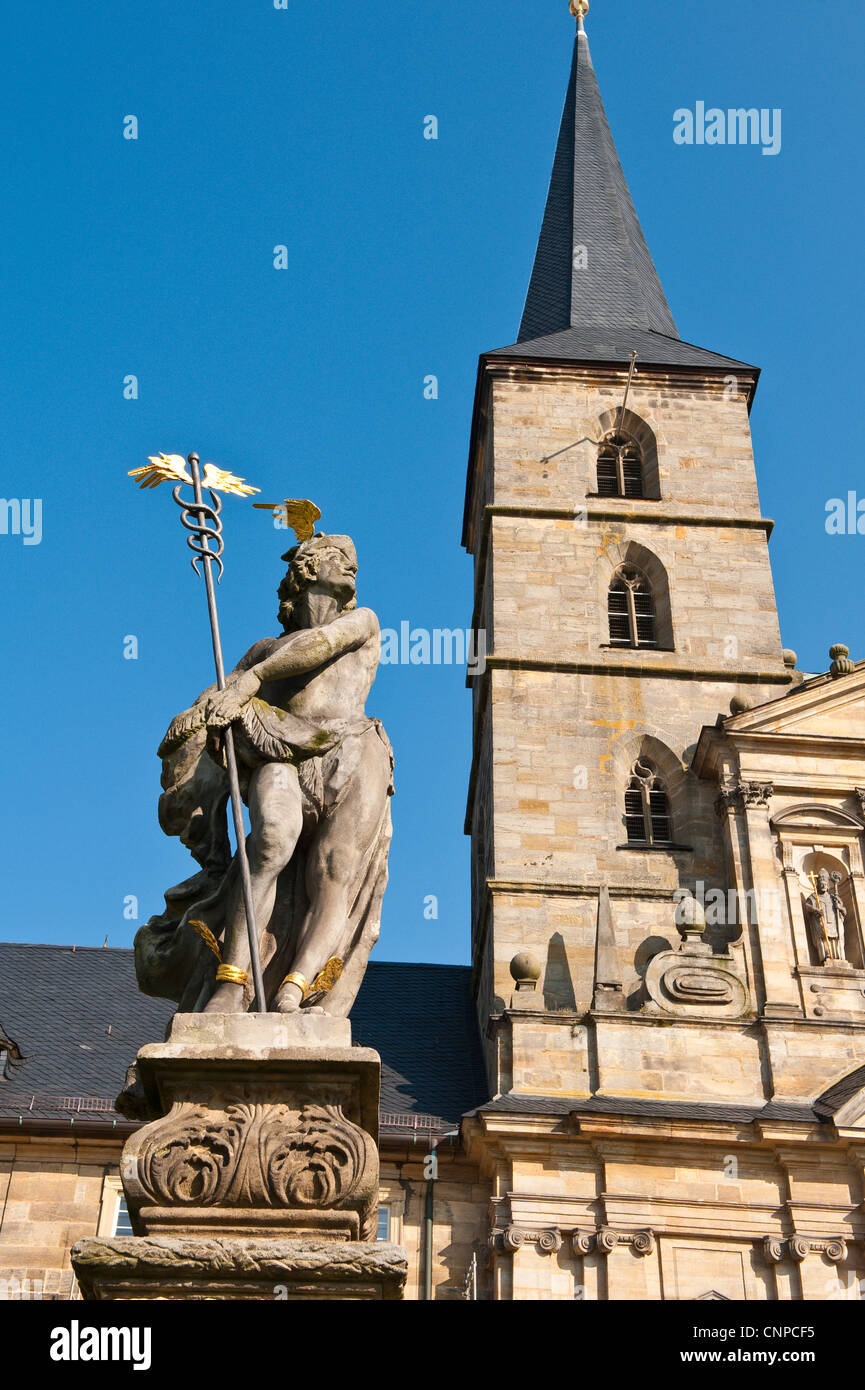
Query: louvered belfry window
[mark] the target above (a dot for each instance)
(631, 610)
(647, 810)
(620, 467)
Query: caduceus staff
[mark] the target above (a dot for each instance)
(204, 523)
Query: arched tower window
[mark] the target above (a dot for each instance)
(620, 467)
(631, 609)
(647, 808)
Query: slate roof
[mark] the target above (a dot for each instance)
(614, 303)
(615, 345)
(832, 1100)
(58, 1004)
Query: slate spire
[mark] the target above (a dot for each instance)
(613, 283)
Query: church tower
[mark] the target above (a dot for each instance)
(640, 917)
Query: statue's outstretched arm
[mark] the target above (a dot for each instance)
(309, 649)
(312, 647)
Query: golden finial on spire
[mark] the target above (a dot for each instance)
(579, 9)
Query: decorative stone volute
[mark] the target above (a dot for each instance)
(605, 1240)
(798, 1248)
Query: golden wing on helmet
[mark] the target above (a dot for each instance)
(220, 480)
(299, 514)
(162, 468)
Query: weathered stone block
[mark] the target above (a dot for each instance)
(279, 1270)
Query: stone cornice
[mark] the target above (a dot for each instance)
(577, 890)
(635, 669)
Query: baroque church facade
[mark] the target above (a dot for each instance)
(666, 816)
(650, 1084)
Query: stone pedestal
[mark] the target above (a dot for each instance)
(262, 1156)
(273, 1269)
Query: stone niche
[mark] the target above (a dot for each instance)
(811, 837)
(258, 1168)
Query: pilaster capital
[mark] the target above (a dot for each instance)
(642, 1242)
(747, 794)
(798, 1248)
(755, 793)
(773, 1249)
(513, 1238)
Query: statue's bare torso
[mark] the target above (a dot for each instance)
(293, 698)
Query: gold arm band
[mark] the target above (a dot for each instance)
(294, 978)
(231, 975)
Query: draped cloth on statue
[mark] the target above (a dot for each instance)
(172, 960)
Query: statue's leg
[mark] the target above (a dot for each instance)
(335, 861)
(275, 818)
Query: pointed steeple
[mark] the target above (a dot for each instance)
(594, 292)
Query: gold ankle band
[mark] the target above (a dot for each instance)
(231, 975)
(294, 978)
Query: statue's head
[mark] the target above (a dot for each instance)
(327, 564)
(823, 881)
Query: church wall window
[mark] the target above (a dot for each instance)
(631, 610)
(620, 467)
(626, 464)
(647, 807)
(122, 1220)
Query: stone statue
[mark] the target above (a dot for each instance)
(825, 915)
(316, 774)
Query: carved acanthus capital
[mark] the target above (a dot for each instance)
(756, 793)
(743, 794)
(725, 801)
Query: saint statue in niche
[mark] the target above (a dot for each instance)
(825, 914)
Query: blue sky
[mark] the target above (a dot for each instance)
(407, 257)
